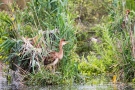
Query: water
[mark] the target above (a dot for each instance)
(85, 87)
(79, 87)
(3, 80)
(5, 86)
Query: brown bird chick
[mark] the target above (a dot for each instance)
(53, 57)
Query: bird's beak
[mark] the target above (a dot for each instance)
(67, 42)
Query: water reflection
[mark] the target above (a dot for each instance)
(89, 87)
(79, 87)
(4, 86)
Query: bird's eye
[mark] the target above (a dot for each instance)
(63, 39)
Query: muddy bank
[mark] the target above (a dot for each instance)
(3, 80)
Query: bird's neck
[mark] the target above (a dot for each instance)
(60, 52)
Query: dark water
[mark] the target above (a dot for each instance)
(5, 86)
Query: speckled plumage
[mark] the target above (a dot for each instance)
(54, 57)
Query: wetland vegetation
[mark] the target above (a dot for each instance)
(100, 35)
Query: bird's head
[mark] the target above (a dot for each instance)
(63, 42)
(128, 12)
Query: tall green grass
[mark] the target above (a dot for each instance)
(114, 54)
(123, 37)
(41, 15)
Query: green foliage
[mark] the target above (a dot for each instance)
(89, 11)
(5, 21)
(91, 67)
(115, 52)
(103, 56)
(40, 16)
(130, 4)
(123, 37)
(43, 78)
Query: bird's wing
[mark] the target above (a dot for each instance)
(54, 62)
(50, 58)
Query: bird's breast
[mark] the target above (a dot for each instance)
(60, 56)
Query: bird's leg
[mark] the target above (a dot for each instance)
(53, 68)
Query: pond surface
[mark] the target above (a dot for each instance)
(4, 86)
(88, 87)
(79, 87)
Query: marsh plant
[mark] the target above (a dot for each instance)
(30, 34)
